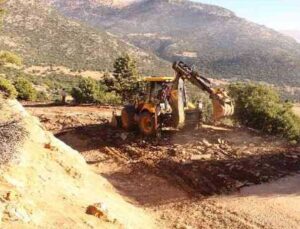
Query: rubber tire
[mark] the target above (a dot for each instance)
(147, 123)
(127, 118)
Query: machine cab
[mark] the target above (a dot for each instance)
(156, 86)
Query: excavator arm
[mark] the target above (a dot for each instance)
(222, 103)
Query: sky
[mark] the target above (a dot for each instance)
(276, 14)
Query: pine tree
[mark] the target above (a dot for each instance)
(126, 78)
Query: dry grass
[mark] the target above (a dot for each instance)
(45, 70)
(12, 134)
(296, 109)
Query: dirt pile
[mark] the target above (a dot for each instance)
(51, 186)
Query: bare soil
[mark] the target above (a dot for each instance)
(204, 178)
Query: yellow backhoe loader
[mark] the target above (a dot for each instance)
(165, 103)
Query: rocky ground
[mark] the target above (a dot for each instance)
(185, 179)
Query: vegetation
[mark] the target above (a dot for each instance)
(8, 57)
(58, 41)
(25, 90)
(260, 107)
(7, 90)
(86, 92)
(195, 96)
(42, 96)
(52, 83)
(126, 79)
(92, 91)
(229, 47)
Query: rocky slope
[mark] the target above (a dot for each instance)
(213, 38)
(51, 186)
(42, 36)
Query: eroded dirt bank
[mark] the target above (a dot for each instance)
(47, 184)
(192, 178)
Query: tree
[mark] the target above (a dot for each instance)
(260, 107)
(25, 90)
(86, 92)
(92, 91)
(126, 79)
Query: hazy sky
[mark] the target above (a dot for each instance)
(276, 14)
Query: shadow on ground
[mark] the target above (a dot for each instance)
(151, 172)
(170, 181)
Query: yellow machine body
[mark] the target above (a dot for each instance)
(166, 104)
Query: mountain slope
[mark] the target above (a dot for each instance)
(42, 36)
(215, 39)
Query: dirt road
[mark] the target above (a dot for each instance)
(205, 178)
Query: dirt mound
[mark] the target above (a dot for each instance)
(51, 186)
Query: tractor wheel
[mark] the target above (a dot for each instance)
(147, 123)
(127, 118)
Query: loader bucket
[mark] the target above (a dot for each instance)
(222, 108)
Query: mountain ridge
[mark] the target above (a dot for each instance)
(215, 39)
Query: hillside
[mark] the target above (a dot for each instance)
(215, 39)
(42, 36)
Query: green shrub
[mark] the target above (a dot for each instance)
(92, 91)
(109, 98)
(8, 57)
(25, 90)
(7, 90)
(260, 107)
(42, 96)
(86, 92)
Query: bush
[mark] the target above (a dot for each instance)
(109, 98)
(259, 106)
(92, 91)
(42, 96)
(86, 92)
(7, 90)
(8, 57)
(25, 90)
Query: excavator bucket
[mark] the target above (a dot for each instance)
(222, 105)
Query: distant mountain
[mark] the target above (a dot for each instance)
(292, 33)
(41, 35)
(213, 38)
